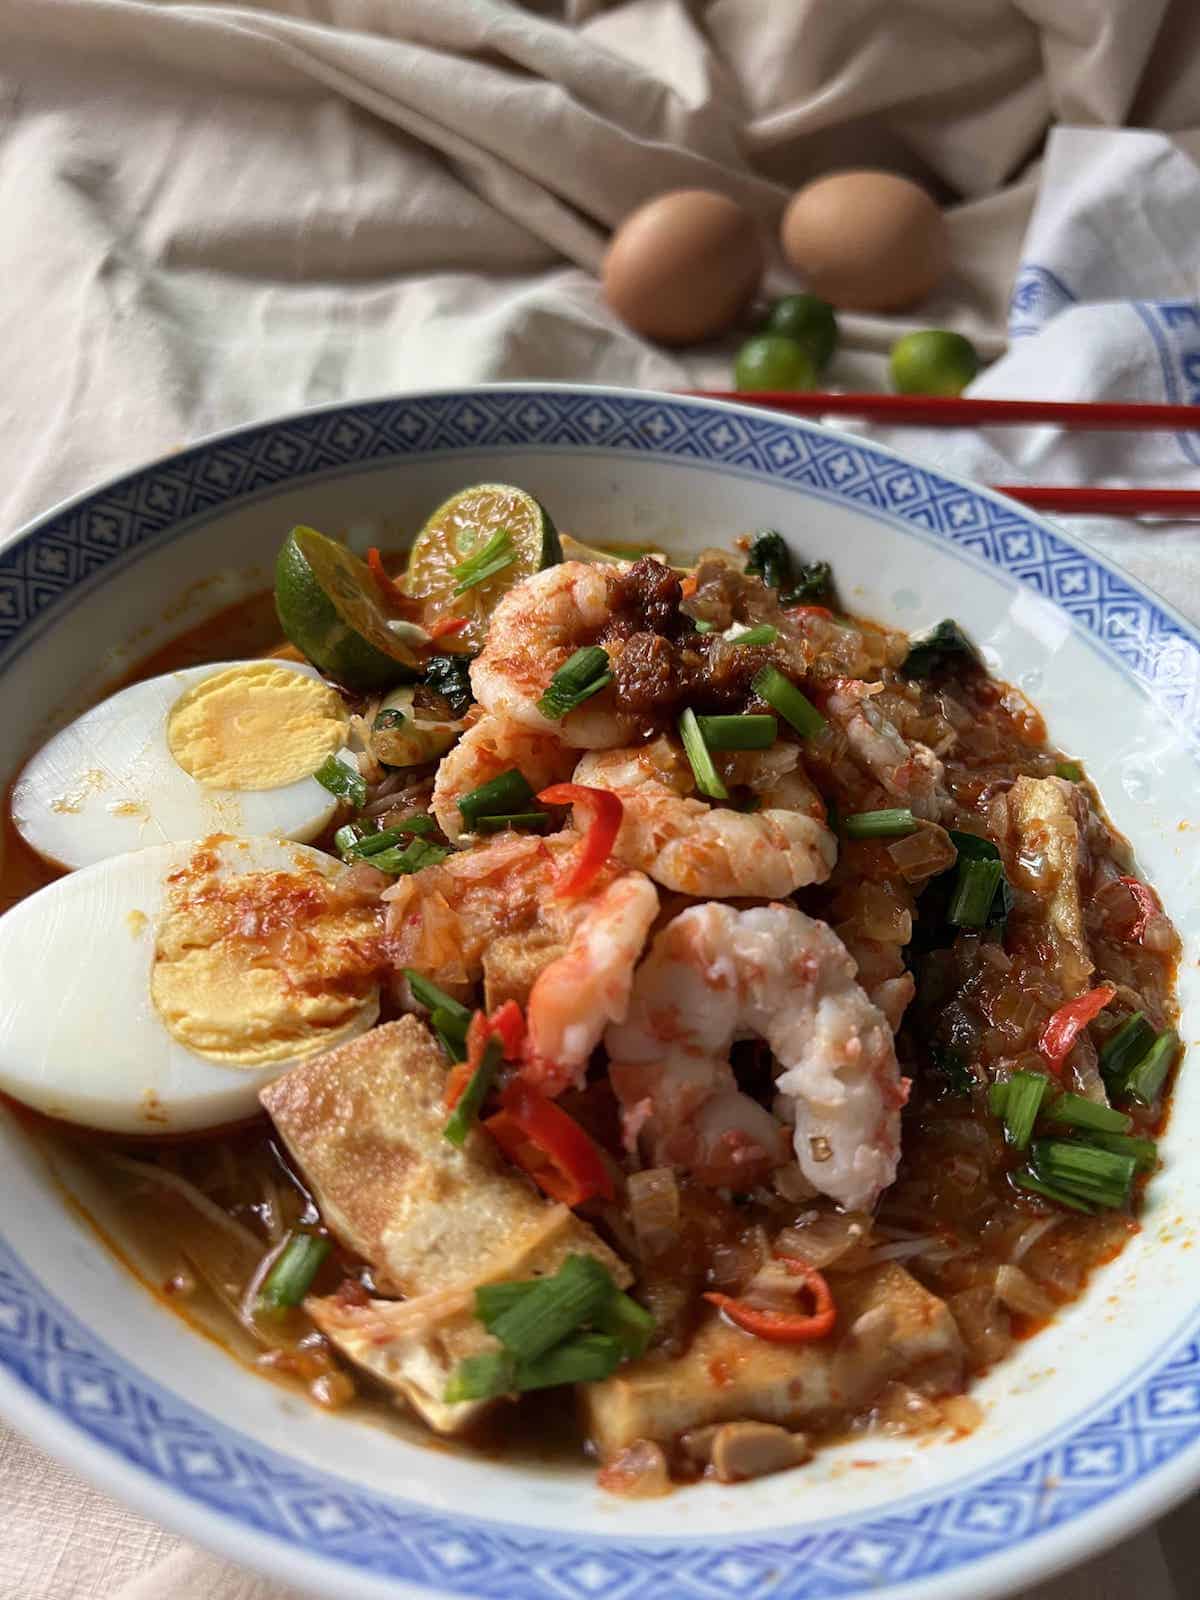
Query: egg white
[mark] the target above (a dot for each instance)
(108, 783)
(80, 1037)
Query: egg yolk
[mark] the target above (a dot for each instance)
(256, 727)
(260, 966)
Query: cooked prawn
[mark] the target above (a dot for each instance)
(712, 851)
(537, 627)
(494, 745)
(493, 912)
(911, 773)
(713, 974)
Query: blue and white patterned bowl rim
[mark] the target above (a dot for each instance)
(68, 1389)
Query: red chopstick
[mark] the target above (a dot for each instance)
(933, 411)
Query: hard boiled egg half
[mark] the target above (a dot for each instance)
(229, 748)
(157, 992)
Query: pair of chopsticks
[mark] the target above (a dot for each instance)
(928, 411)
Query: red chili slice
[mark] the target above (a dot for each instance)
(785, 1327)
(506, 1024)
(442, 627)
(550, 1146)
(390, 587)
(809, 611)
(1069, 1021)
(599, 836)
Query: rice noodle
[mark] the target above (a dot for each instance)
(196, 1198)
(1035, 1231)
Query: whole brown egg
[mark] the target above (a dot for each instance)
(681, 267)
(866, 241)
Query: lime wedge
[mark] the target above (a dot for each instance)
(329, 607)
(509, 536)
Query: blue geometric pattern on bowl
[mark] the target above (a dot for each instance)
(46, 1348)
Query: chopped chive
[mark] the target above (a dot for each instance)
(432, 998)
(581, 676)
(514, 819)
(1144, 1083)
(764, 633)
(290, 1279)
(1070, 770)
(462, 1118)
(1025, 1179)
(418, 855)
(1099, 1176)
(1143, 1151)
(629, 1323)
(554, 1308)
(1074, 1111)
(346, 839)
(974, 890)
(502, 795)
(701, 626)
(587, 1358)
(708, 779)
(373, 844)
(783, 696)
(1026, 1090)
(481, 1377)
(1124, 1048)
(491, 557)
(452, 1039)
(342, 781)
(738, 733)
(890, 824)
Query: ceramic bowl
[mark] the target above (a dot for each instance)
(1088, 1430)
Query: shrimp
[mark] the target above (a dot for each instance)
(911, 773)
(495, 745)
(537, 627)
(712, 975)
(712, 851)
(493, 912)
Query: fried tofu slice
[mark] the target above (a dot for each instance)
(512, 964)
(889, 1326)
(1050, 853)
(365, 1125)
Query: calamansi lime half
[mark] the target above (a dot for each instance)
(471, 552)
(330, 608)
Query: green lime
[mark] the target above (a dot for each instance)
(933, 362)
(769, 361)
(472, 551)
(329, 607)
(810, 321)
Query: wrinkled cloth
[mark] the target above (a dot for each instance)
(216, 213)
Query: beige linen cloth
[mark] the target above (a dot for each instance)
(211, 213)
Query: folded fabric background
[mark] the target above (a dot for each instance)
(214, 213)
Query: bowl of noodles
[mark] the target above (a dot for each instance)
(595, 993)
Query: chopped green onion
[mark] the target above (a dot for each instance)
(346, 839)
(738, 733)
(998, 1098)
(481, 1377)
(1143, 1151)
(629, 1323)
(554, 1308)
(428, 994)
(588, 1358)
(1144, 1083)
(343, 781)
(974, 890)
(972, 846)
(418, 855)
(583, 675)
(701, 626)
(1124, 1048)
(891, 824)
(1070, 770)
(491, 557)
(1025, 1179)
(708, 779)
(492, 1300)
(290, 1279)
(1086, 1171)
(783, 696)
(502, 795)
(941, 645)
(373, 844)
(452, 1040)
(764, 633)
(515, 819)
(1074, 1111)
(462, 1118)
(1022, 1102)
